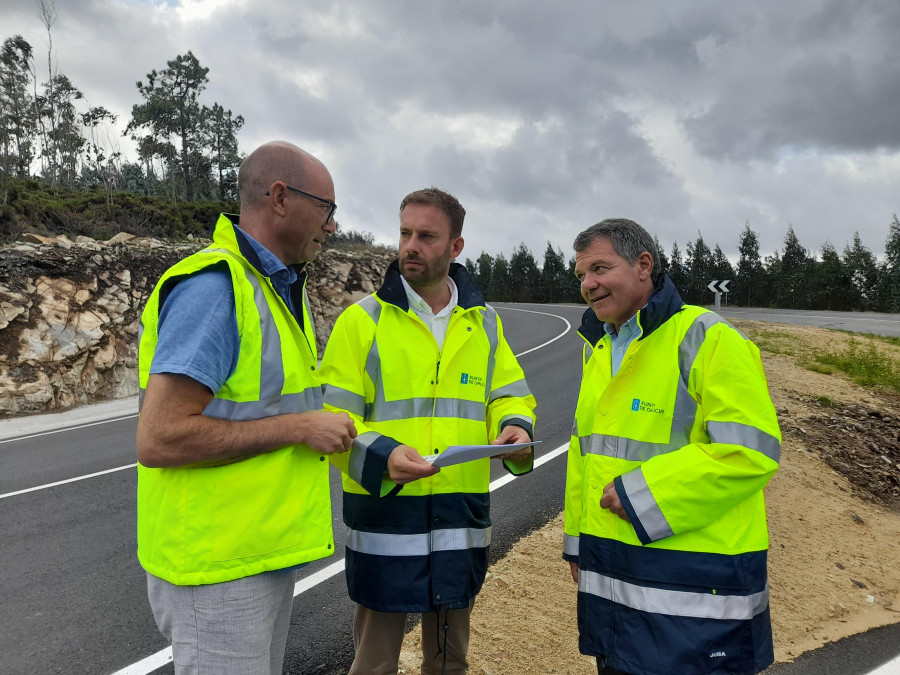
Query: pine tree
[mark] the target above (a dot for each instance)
(747, 286)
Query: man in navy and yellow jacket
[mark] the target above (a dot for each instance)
(420, 365)
(675, 438)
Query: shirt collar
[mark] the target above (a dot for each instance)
(417, 303)
(629, 328)
(271, 266)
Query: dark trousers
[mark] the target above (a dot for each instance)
(603, 670)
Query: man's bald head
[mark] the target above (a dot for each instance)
(278, 160)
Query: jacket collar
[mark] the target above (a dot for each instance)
(663, 304)
(392, 290)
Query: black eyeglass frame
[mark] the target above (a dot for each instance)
(331, 204)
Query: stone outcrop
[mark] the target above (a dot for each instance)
(70, 310)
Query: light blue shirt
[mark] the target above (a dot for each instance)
(620, 341)
(198, 332)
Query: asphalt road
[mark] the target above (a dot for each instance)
(73, 595)
(860, 322)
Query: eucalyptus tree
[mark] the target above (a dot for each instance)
(17, 120)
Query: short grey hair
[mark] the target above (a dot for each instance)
(628, 240)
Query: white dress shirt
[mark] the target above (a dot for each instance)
(437, 323)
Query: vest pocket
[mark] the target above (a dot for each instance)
(257, 511)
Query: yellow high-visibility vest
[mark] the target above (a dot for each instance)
(204, 525)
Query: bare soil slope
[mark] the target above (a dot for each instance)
(834, 521)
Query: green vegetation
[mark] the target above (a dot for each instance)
(34, 206)
(864, 364)
(773, 341)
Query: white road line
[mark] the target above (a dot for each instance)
(164, 656)
(68, 480)
(61, 429)
(555, 316)
(889, 668)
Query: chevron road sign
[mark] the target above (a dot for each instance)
(719, 285)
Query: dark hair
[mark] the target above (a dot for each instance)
(628, 240)
(444, 201)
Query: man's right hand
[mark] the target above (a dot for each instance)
(405, 465)
(328, 432)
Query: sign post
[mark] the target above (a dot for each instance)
(719, 286)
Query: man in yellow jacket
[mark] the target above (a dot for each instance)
(420, 365)
(233, 491)
(675, 438)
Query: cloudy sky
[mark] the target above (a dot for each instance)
(542, 118)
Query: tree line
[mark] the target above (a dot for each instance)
(186, 150)
(792, 277)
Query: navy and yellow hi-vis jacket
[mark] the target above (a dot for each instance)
(209, 524)
(424, 546)
(687, 432)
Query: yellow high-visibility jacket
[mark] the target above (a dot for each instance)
(204, 525)
(688, 434)
(426, 545)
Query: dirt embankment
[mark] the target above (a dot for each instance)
(834, 521)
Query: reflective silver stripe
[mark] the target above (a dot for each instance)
(308, 399)
(735, 433)
(674, 603)
(461, 408)
(517, 420)
(358, 454)
(519, 388)
(489, 324)
(406, 408)
(621, 448)
(645, 506)
(570, 545)
(379, 543)
(693, 340)
(460, 539)
(371, 306)
(344, 399)
(271, 376)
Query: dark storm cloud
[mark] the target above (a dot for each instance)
(542, 117)
(824, 81)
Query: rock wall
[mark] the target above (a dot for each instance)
(69, 313)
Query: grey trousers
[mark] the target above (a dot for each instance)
(378, 637)
(237, 626)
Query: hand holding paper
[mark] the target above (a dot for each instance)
(456, 454)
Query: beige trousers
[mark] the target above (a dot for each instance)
(378, 637)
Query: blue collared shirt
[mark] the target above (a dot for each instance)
(198, 332)
(619, 342)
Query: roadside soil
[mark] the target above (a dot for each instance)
(834, 525)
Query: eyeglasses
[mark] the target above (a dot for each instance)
(332, 207)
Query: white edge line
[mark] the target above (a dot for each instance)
(67, 428)
(889, 668)
(555, 316)
(148, 665)
(68, 480)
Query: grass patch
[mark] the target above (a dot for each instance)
(816, 367)
(825, 401)
(864, 364)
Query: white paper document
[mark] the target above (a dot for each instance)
(457, 454)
